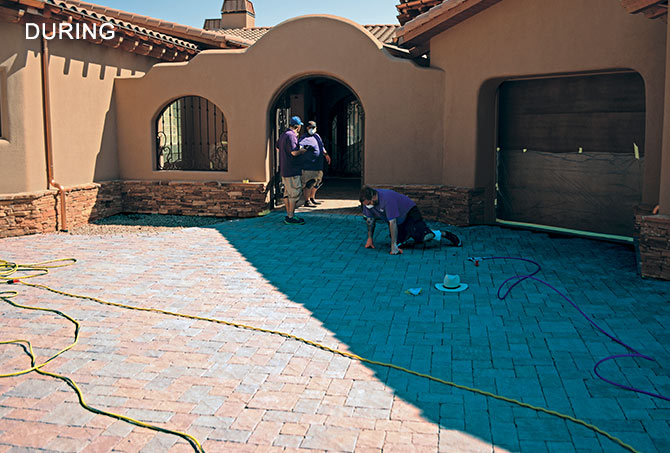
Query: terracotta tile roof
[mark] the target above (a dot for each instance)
(384, 33)
(251, 34)
(409, 9)
(183, 37)
(441, 17)
(73, 7)
(129, 37)
(651, 8)
(204, 38)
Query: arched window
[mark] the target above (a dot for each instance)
(191, 134)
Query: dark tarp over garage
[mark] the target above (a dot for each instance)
(572, 151)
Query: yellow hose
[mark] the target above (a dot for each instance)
(7, 269)
(28, 348)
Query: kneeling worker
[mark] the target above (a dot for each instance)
(403, 216)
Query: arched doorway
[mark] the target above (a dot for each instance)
(340, 120)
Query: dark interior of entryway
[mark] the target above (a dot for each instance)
(571, 152)
(340, 121)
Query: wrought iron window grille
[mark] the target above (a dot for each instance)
(191, 135)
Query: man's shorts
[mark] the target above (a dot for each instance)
(316, 175)
(292, 187)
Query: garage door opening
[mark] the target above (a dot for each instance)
(340, 122)
(571, 153)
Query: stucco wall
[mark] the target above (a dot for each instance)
(526, 38)
(665, 169)
(403, 103)
(22, 143)
(82, 111)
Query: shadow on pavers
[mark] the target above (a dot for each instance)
(158, 220)
(533, 346)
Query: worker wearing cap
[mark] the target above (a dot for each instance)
(290, 169)
(312, 167)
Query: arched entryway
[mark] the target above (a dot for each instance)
(340, 120)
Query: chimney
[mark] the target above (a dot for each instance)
(237, 14)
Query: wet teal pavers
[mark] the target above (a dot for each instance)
(533, 346)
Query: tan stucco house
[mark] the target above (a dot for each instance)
(529, 112)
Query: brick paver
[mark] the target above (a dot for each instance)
(238, 390)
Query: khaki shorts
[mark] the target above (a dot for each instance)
(292, 187)
(317, 175)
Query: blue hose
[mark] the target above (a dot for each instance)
(520, 278)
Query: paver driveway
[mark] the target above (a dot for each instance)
(238, 390)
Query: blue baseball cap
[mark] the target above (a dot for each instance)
(295, 121)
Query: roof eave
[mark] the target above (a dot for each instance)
(197, 35)
(129, 39)
(652, 9)
(422, 28)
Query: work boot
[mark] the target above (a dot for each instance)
(294, 221)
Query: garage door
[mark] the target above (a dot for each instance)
(571, 152)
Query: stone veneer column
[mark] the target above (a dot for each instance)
(654, 247)
(654, 241)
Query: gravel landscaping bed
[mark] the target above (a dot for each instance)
(142, 223)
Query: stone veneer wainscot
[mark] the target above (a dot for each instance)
(453, 205)
(39, 212)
